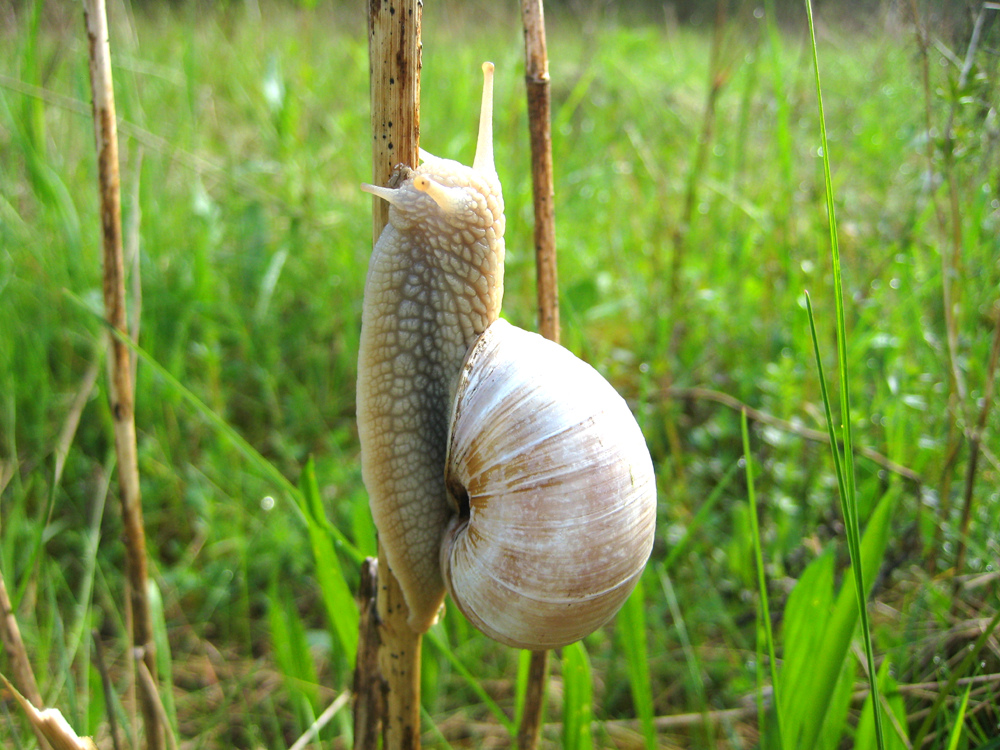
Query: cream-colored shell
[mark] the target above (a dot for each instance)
(555, 489)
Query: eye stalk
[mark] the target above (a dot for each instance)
(450, 200)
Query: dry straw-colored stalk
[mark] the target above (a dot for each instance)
(17, 657)
(536, 78)
(394, 56)
(50, 725)
(120, 368)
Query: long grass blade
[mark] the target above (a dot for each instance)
(434, 637)
(703, 514)
(631, 626)
(577, 698)
(225, 430)
(337, 597)
(961, 669)
(845, 468)
(956, 730)
(765, 610)
(690, 657)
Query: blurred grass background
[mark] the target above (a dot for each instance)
(691, 219)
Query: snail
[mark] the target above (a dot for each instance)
(500, 467)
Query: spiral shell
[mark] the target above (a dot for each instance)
(554, 489)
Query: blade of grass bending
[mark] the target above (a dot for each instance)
(765, 610)
(690, 657)
(694, 525)
(223, 428)
(848, 500)
(632, 634)
(434, 637)
(337, 597)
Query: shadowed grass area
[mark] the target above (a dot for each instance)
(244, 139)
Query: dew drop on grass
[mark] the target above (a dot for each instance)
(267, 503)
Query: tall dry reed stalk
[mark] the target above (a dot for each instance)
(120, 366)
(394, 56)
(536, 79)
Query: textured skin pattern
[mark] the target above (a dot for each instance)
(435, 282)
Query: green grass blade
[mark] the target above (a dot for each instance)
(845, 469)
(956, 731)
(700, 517)
(690, 656)
(765, 610)
(337, 598)
(963, 668)
(164, 662)
(631, 631)
(803, 630)
(577, 698)
(444, 648)
(223, 428)
(864, 737)
(815, 655)
(291, 652)
(521, 689)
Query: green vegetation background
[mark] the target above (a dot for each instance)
(691, 219)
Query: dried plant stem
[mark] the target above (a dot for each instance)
(399, 664)
(536, 78)
(368, 697)
(321, 721)
(534, 701)
(149, 688)
(975, 442)
(394, 56)
(17, 656)
(394, 59)
(50, 723)
(121, 393)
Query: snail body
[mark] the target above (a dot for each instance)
(500, 467)
(434, 284)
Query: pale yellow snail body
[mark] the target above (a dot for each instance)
(499, 466)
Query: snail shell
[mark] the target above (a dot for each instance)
(553, 489)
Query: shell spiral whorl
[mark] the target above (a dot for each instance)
(553, 489)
